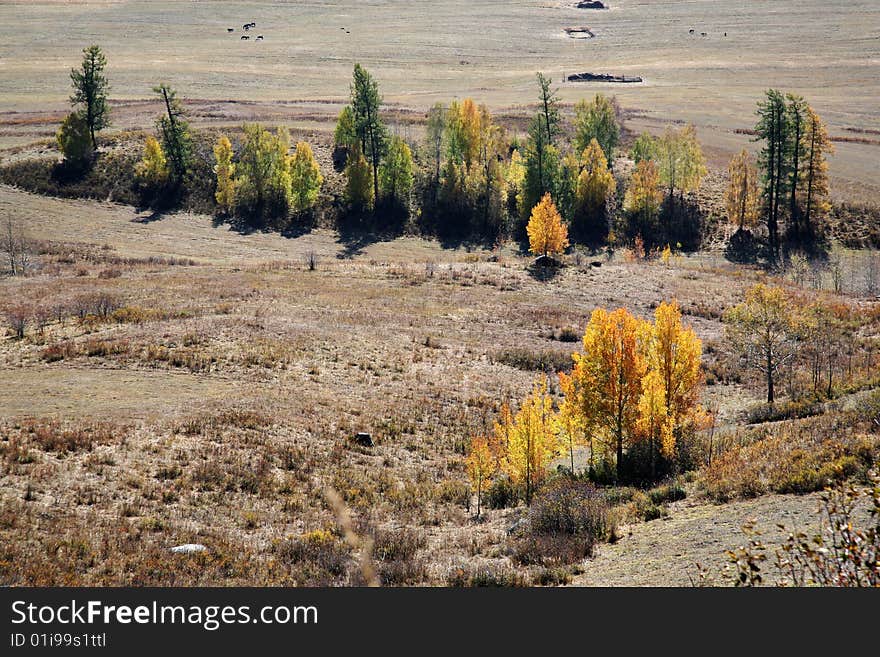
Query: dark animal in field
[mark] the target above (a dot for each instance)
(703, 34)
(244, 37)
(690, 31)
(591, 5)
(230, 29)
(260, 38)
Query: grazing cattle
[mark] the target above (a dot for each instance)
(244, 36)
(690, 31)
(703, 34)
(230, 29)
(260, 38)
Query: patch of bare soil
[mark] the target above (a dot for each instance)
(665, 552)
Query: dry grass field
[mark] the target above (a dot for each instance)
(218, 401)
(181, 381)
(422, 52)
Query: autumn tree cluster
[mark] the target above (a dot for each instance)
(632, 400)
(789, 184)
(264, 180)
(667, 169)
(807, 347)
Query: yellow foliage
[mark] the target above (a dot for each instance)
(606, 382)
(482, 464)
(305, 177)
(595, 182)
(153, 168)
(547, 232)
(529, 438)
(225, 171)
(644, 195)
(742, 198)
(814, 183)
(635, 380)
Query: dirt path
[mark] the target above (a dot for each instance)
(663, 552)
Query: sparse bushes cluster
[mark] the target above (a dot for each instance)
(798, 458)
(316, 558)
(51, 435)
(846, 553)
(564, 524)
(548, 361)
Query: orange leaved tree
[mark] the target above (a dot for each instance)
(606, 384)
(548, 234)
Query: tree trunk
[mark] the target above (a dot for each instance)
(770, 396)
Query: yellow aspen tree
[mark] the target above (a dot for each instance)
(529, 438)
(605, 385)
(644, 196)
(680, 159)
(594, 185)
(547, 232)
(359, 182)
(571, 421)
(654, 423)
(673, 354)
(595, 181)
(305, 177)
(463, 131)
(514, 183)
(482, 464)
(225, 172)
(763, 330)
(743, 197)
(814, 182)
(153, 168)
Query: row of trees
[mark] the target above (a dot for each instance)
(631, 399)
(469, 178)
(474, 179)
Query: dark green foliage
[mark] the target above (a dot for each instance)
(174, 135)
(75, 142)
(368, 125)
(90, 88)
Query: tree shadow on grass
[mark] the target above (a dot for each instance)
(148, 215)
(545, 268)
(357, 232)
(744, 248)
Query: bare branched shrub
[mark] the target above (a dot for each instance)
(565, 522)
(311, 260)
(19, 317)
(15, 247)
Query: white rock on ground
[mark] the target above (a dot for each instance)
(188, 548)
